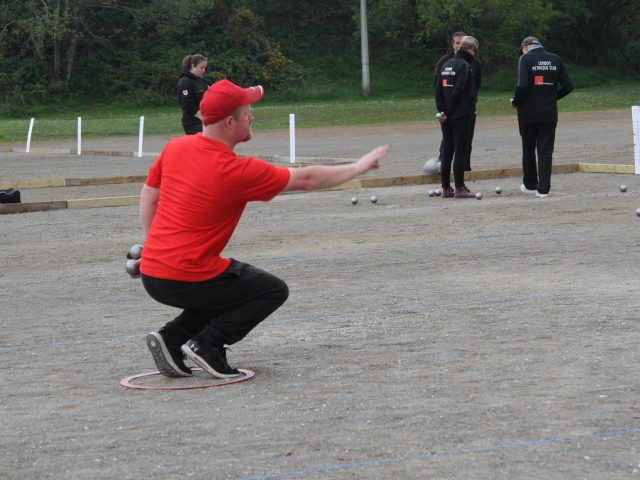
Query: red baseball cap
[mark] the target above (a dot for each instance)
(222, 98)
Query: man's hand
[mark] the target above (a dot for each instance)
(371, 160)
(442, 117)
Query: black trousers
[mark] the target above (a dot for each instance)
(538, 137)
(221, 310)
(455, 137)
(472, 127)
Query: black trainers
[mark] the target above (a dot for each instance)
(213, 360)
(168, 357)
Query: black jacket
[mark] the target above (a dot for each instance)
(477, 70)
(539, 73)
(456, 92)
(436, 72)
(190, 92)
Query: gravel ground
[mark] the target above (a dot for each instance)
(423, 338)
(588, 137)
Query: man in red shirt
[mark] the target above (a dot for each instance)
(193, 198)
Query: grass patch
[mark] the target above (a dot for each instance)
(59, 121)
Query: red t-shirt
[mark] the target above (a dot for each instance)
(204, 188)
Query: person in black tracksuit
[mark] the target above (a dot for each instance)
(455, 100)
(537, 93)
(477, 72)
(191, 88)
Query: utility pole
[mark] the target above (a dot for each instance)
(364, 47)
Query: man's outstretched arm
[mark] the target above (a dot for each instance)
(318, 177)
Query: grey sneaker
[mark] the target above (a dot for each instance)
(524, 189)
(212, 361)
(542, 195)
(168, 357)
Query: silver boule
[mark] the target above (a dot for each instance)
(131, 268)
(135, 252)
(432, 167)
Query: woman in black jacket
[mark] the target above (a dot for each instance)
(191, 88)
(456, 103)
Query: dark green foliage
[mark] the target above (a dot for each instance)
(597, 32)
(128, 50)
(55, 49)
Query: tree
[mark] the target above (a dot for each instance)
(499, 25)
(590, 31)
(54, 29)
(131, 49)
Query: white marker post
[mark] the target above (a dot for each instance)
(635, 116)
(140, 135)
(28, 148)
(292, 138)
(79, 148)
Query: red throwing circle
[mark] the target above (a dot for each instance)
(128, 381)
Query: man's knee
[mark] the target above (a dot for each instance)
(281, 291)
(266, 285)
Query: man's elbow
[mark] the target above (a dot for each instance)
(304, 185)
(302, 180)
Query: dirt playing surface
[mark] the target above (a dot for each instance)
(588, 137)
(423, 337)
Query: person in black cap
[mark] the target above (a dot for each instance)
(455, 100)
(537, 93)
(192, 200)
